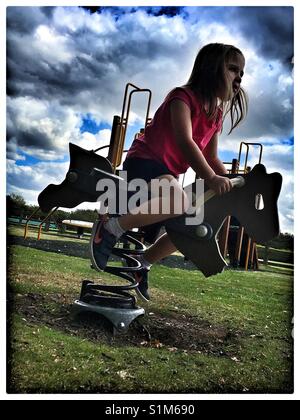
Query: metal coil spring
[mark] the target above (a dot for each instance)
(116, 296)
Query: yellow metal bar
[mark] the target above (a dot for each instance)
(248, 247)
(43, 221)
(245, 170)
(26, 224)
(116, 156)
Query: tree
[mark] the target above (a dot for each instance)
(85, 215)
(16, 205)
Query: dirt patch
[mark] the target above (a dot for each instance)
(174, 330)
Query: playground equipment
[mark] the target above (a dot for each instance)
(193, 241)
(40, 225)
(91, 159)
(198, 243)
(115, 303)
(233, 240)
(261, 223)
(79, 224)
(85, 169)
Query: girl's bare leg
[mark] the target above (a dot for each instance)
(147, 217)
(163, 247)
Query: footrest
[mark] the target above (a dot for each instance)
(119, 317)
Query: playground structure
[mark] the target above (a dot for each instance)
(197, 243)
(233, 240)
(79, 224)
(115, 150)
(244, 204)
(113, 302)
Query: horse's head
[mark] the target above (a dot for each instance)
(255, 204)
(79, 185)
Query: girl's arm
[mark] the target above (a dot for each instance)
(182, 129)
(211, 155)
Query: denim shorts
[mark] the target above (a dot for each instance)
(146, 169)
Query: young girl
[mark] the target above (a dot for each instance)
(182, 134)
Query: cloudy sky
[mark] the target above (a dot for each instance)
(68, 67)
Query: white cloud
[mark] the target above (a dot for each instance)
(29, 181)
(45, 42)
(77, 19)
(91, 141)
(12, 154)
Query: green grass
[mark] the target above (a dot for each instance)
(68, 236)
(45, 360)
(256, 304)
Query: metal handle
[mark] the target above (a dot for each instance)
(238, 182)
(199, 201)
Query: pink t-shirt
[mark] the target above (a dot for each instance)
(158, 141)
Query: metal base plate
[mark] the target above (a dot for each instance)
(120, 318)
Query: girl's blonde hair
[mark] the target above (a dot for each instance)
(208, 77)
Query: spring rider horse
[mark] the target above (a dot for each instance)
(196, 242)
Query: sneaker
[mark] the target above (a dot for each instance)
(101, 244)
(141, 277)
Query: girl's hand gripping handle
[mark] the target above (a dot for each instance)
(239, 181)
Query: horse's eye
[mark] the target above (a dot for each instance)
(259, 202)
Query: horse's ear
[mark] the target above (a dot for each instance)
(277, 183)
(259, 169)
(259, 173)
(277, 178)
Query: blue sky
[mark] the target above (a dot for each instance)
(68, 67)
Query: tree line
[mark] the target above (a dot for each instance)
(17, 207)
